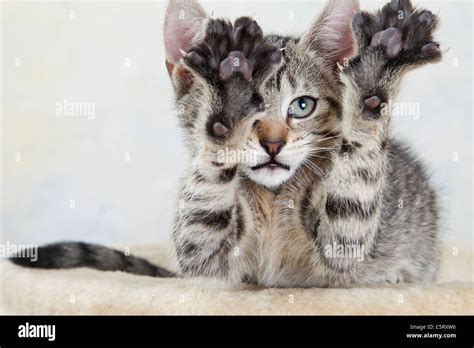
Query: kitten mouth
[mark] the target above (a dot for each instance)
(272, 165)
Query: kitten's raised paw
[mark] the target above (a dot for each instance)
(233, 59)
(228, 49)
(401, 31)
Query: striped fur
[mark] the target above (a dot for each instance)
(348, 205)
(356, 189)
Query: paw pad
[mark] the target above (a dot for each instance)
(373, 102)
(401, 30)
(235, 62)
(220, 130)
(430, 48)
(391, 39)
(229, 49)
(233, 58)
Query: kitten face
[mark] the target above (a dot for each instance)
(294, 116)
(293, 106)
(300, 119)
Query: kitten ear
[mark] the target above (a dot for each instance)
(331, 33)
(184, 21)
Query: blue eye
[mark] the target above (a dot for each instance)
(302, 107)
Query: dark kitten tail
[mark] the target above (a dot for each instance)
(79, 254)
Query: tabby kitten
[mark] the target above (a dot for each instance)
(322, 194)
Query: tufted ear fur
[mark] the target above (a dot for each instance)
(184, 26)
(331, 33)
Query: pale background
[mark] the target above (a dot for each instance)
(111, 54)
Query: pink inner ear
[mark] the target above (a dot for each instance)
(183, 21)
(334, 29)
(177, 36)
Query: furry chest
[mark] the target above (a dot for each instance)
(283, 252)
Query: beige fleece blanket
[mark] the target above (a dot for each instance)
(86, 291)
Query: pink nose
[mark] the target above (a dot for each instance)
(272, 147)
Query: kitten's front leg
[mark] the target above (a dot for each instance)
(210, 219)
(389, 43)
(232, 60)
(396, 39)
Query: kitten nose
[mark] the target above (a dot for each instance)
(272, 147)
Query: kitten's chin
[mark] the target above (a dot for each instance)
(268, 177)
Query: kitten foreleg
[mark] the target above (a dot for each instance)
(389, 43)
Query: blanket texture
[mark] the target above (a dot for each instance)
(87, 291)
